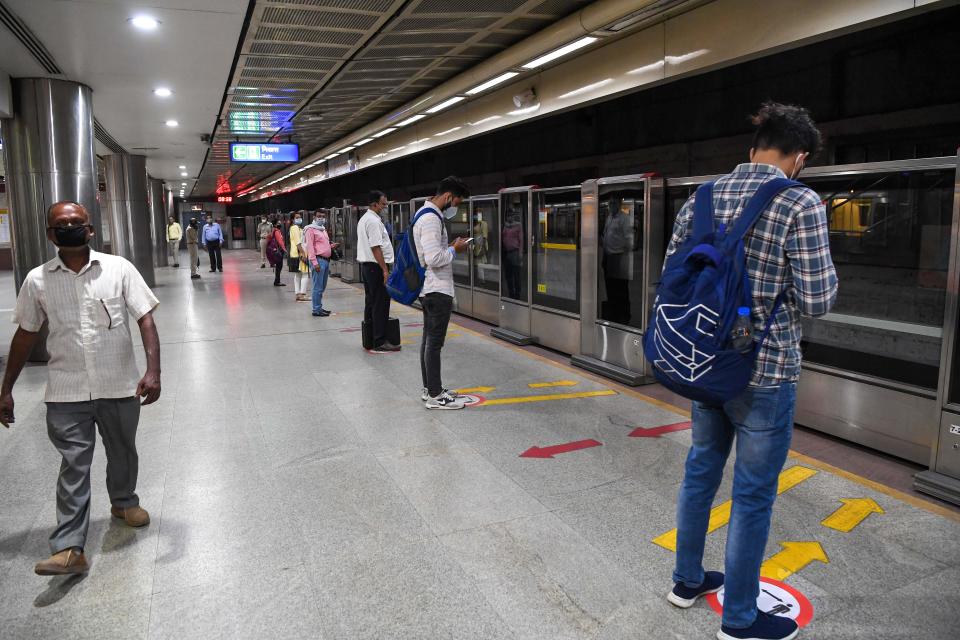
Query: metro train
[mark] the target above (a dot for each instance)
(575, 269)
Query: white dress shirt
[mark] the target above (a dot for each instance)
(91, 353)
(371, 232)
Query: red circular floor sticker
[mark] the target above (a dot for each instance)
(776, 598)
(471, 399)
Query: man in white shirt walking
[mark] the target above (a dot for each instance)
(85, 298)
(436, 298)
(375, 255)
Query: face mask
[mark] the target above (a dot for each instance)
(322, 223)
(70, 236)
(798, 167)
(298, 221)
(450, 212)
(209, 221)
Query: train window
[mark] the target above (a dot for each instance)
(620, 283)
(486, 245)
(556, 266)
(399, 217)
(238, 228)
(459, 226)
(514, 206)
(890, 241)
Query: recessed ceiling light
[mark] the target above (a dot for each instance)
(172, 123)
(446, 103)
(345, 149)
(162, 92)
(183, 173)
(363, 142)
(492, 83)
(183, 184)
(183, 166)
(145, 23)
(559, 53)
(411, 120)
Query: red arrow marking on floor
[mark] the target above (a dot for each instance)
(549, 452)
(656, 432)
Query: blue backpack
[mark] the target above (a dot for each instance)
(406, 279)
(688, 339)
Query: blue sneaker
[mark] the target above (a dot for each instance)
(765, 627)
(684, 597)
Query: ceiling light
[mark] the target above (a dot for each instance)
(346, 149)
(183, 184)
(183, 166)
(162, 92)
(145, 23)
(384, 132)
(492, 83)
(443, 133)
(446, 103)
(559, 53)
(331, 156)
(484, 121)
(586, 89)
(183, 173)
(397, 149)
(172, 123)
(411, 120)
(362, 142)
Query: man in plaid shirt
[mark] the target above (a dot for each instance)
(787, 250)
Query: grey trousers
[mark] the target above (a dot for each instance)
(70, 426)
(194, 258)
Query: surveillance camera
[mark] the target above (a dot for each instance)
(525, 99)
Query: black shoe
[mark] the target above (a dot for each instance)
(195, 276)
(220, 270)
(319, 314)
(324, 313)
(213, 270)
(386, 347)
(684, 597)
(279, 284)
(263, 266)
(176, 266)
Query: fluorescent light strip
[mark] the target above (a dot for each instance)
(559, 53)
(492, 83)
(362, 142)
(443, 133)
(384, 132)
(586, 89)
(446, 103)
(332, 156)
(346, 149)
(411, 120)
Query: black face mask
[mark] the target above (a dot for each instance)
(70, 236)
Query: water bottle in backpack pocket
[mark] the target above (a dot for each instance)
(700, 338)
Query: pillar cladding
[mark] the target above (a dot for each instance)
(158, 215)
(130, 212)
(48, 147)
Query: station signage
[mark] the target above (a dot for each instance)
(257, 152)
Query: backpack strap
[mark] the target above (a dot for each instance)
(703, 213)
(755, 207)
(777, 303)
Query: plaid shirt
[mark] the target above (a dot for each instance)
(787, 249)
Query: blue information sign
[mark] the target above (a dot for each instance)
(257, 152)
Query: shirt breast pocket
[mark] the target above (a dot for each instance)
(112, 312)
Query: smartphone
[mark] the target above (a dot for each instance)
(469, 240)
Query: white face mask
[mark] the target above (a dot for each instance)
(798, 166)
(450, 212)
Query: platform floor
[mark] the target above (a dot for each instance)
(299, 489)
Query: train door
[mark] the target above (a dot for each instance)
(334, 231)
(485, 257)
(623, 244)
(459, 226)
(399, 217)
(555, 268)
(516, 205)
(350, 270)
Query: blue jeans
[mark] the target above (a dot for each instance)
(761, 420)
(319, 283)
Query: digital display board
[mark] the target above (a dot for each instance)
(224, 198)
(257, 152)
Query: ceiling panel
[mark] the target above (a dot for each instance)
(311, 71)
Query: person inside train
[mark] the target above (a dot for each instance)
(787, 250)
(511, 244)
(617, 243)
(481, 243)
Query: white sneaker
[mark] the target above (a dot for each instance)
(444, 401)
(425, 395)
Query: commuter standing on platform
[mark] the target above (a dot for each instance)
(436, 297)
(788, 249)
(298, 259)
(212, 237)
(193, 237)
(85, 297)
(174, 234)
(276, 252)
(318, 251)
(375, 255)
(264, 230)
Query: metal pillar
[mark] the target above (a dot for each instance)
(158, 215)
(48, 148)
(129, 211)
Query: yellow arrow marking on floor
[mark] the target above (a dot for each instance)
(476, 390)
(720, 514)
(794, 557)
(853, 512)
(552, 396)
(558, 383)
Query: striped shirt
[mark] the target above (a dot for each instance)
(788, 249)
(91, 353)
(434, 252)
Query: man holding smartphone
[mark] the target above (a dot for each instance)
(436, 298)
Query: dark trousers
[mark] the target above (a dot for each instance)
(277, 269)
(216, 259)
(437, 308)
(376, 302)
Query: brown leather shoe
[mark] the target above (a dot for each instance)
(133, 516)
(67, 562)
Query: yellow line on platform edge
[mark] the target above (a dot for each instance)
(913, 501)
(558, 383)
(550, 396)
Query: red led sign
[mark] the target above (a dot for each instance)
(224, 198)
